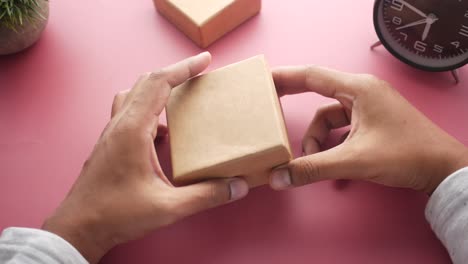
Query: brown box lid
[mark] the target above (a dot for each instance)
(227, 123)
(205, 21)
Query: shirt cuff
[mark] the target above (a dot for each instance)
(27, 245)
(447, 212)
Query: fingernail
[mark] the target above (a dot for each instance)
(280, 179)
(205, 53)
(239, 189)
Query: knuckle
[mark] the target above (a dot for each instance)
(144, 76)
(157, 76)
(369, 83)
(304, 172)
(118, 97)
(368, 78)
(115, 104)
(310, 71)
(160, 78)
(322, 111)
(321, 116)
(217, 194)
(87, 163)
(303, 143)
(385, 85)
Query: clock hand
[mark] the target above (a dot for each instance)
(430, 20)
(419, 22)
(417, 11)
(426, 31)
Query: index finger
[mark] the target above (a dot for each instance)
(152, 94)
(324, 81)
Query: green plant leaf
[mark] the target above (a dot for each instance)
(2, 14)
(14, 13)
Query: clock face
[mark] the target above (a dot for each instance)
(428, 34)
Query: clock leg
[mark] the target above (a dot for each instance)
(456, 76)
(375, 45)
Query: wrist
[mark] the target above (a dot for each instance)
(456, 160)
(461, 160)
(81, 234)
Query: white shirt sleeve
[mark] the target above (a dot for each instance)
(34, 246)
(447, 212)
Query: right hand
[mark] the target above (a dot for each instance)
(390, 142)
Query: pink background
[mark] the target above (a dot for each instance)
(55, 99)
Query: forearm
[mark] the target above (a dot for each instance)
(447, 212)
(33, 246)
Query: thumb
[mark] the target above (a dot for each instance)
(340, 162)
(201, 196)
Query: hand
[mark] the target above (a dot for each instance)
(416, 23)
(390, 142)
(430, 20)
(426, 31)
(122, 193)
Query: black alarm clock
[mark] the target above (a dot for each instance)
(430, 35)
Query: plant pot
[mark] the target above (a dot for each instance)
(23, 37)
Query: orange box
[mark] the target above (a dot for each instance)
(205, 21)
(227, 123)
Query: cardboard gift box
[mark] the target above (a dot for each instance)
(227, 123)
(205, 21)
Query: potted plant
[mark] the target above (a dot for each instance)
(21, 23)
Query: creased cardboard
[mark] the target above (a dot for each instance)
(205, 21)
(227, 123)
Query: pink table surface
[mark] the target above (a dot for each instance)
(56, 98)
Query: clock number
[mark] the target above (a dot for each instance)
(397, 5)
(397, 21)
(463, 31)
(466, 14)
(438, 49)
(456, 44)
(405, 36)
(420, 46)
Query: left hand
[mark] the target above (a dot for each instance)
(390, 141)
(122, 192)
